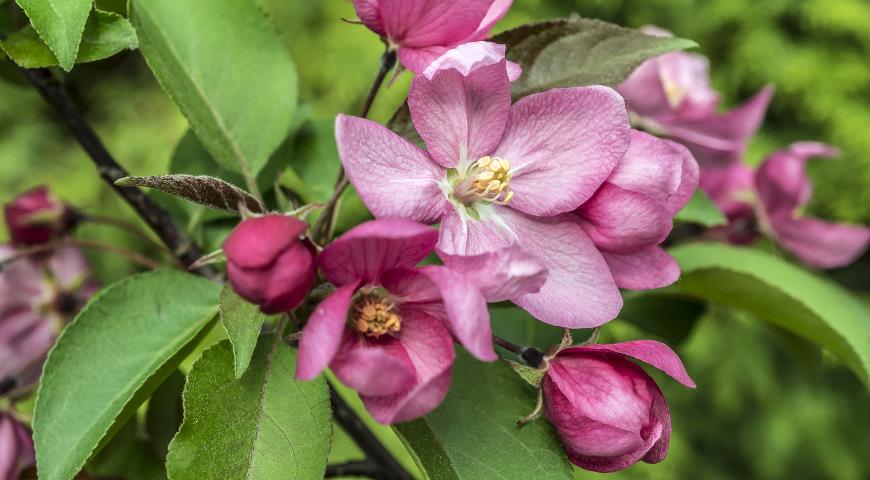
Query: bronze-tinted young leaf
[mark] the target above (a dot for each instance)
(574, 52)
(204, 190)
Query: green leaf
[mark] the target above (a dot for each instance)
(60, 23)
(204, 190)
(127, 456)
(515, 324)
(242, 321)
(225, 66)
(575, 52)
(105, 35)
(106, 362)
(165, 413)
(666, 315)
(264, 425)
(780, 293)
(701, 210)
(315, 161)
(473, 434)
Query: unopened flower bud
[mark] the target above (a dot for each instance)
(36, 217)
(269, 263)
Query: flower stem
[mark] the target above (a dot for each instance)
(45, 247)
(322, 229)
(531, 355)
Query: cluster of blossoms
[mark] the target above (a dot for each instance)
(39, 293)
(671, 95)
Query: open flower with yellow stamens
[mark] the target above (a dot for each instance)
(387, 330)
(495, 175)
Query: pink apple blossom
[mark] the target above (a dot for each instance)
(269, 263)
(496, 175)
(16, 447)
(671, 95)
(771, 198)
(36, 217)
(387, 330)
(424, 29)
(608, 412)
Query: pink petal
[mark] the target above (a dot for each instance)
(290, 280)
(651, 352)
(69, 267)
(323, 332)
(461, 117)
(430, 349)
(16, 447)
(643, 91)
(368, 250)
(496, 11)
(690, 74)
(721, 139)
(645, 269)
(255, 242)
(467, 58)
(728, 187)
(369, 12)
(579, 291)
(662, 414)
(562, 144)
(822, 244)
(689, 179)
(500, 275)
(423, 23)
(394, 177)
(650, 166)
(782, 181)
(623, 221)
(467, 315)
(462, 235)
(373, 366)
(418, 59)
(25, 339)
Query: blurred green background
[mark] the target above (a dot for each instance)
(766, 406)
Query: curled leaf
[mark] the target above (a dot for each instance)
(208, 191)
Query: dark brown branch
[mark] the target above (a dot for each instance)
(389, 468)
(157, 218)
(355, 468)
(323, 226)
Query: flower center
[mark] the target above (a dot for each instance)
(674, 92)
(488, 180)
(375, 316)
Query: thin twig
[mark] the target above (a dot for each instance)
(157, 218)
(48, 246)
(531, 355)
(375, 451)
(126, 226)
(355, 468)
(323, 226)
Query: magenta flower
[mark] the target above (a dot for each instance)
(497, 174)
(609, 413)
(387, 331)
(36, 217)
(16, 447)
(771, 200)
(424, 29)
(37, 296)
(671, 95)
(632, 212)
(269, 263)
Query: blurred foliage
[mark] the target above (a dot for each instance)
(763, 408)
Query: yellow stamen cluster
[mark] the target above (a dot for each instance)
(488, 180)
(674, 93)
(374, 317)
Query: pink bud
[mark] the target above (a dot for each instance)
(36, 217)
(269, 263)
(609, 413)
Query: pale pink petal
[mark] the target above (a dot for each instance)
(430, 348)
(368, 250)
(16, 447)
(500, 275)
(643, 91)
(467, 316)
(255, 242)
(650, 166)
(369, 12)
(730, 187)
(69, 267)
(720, 140)
(392, 176)
(562, 144)
(418, 59)
(689, 179)
(496, 11)
(645, 269)
(323, 332)
(822, 244)
(462, 235)
(651, 352)
(623, 221)
(686, 78)
(782, 181)
(466, 58)
(25, 339)
(461, 118)
(423, 23)
(373, 366)
(579, 291)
